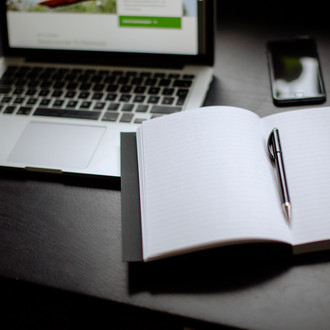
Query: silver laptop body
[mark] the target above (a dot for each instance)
(67, 91)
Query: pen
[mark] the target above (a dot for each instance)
(276, 155)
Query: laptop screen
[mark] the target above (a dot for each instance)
(122, 26)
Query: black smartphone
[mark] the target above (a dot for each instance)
(295, 72)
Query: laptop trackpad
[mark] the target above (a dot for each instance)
(56, 146)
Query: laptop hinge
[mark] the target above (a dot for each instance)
(43, 170)
(101, 61)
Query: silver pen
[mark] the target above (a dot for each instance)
(276, 155)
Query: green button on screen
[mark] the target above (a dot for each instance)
(150, 22)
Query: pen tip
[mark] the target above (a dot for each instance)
(287, 210)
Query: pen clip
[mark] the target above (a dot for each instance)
(270, 145)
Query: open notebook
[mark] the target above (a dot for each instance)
(205, 180)
(77, 73)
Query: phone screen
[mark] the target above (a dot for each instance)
(295, 72)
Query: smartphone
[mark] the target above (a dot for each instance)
(295, 72)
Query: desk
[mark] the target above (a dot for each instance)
(60, 242)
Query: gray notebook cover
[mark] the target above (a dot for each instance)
(130, 200)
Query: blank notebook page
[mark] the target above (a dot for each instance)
(305, 139)
(205, 177)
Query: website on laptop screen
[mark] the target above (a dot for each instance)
(148, 26)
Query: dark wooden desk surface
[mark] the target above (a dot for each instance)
(60, 242)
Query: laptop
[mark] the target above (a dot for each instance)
(77, 73)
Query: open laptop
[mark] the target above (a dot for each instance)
(76, 73)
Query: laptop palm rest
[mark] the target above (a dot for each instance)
(56, 146)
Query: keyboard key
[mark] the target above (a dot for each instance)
(125, 98)
(72, 85)
(83, 78)
(59, 85)
(126, 118)
(139, 120)
(76, 114)
(6, 82)
(9, 109)
(145, 74)
(23, 69)
(174, 76)
(85, 105)
(168, 100)
(18, 91)
(139, 90)
(24, 111)
(165, 82)
(57, 93)
(90, 72)
(44, 101)
(126, 89)
(111, 97)
(151, 82)
(58, 103)
(19, 100)
(131, 73)
(155, 116)
(139, 98)
(127, 107)
(110, 116)
(112, 88)
(110, 80)
(20, 83)
(5, 90)
(188, 76)
(182, 83)
(71, 104)
(104, 72)
(168, 91)
(44, 75)
(96, 78)
(31, 91)
(46, 84)
(159, 75)
(63, 70)
(153, 90)
(113, 106)
(6, 99)
(58, 78)
(97, 96)
(99, 106)
(83, 95)
(181, 100)
(182, 92)
(33, 83)
(164, 109)
(50, 70)
(98, 87)
(85, 86)
(44, 92)
(142, 108)
(70, 94)
(77, 71)
(153, 99)
(137, 81)
(123, 80)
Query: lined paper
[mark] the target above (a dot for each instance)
(305, 139)
(206, 179)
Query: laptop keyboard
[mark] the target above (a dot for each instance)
(115, 96)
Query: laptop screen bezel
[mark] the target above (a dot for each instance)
(118, 58)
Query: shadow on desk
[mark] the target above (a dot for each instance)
(89, 181)
(219, 270)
